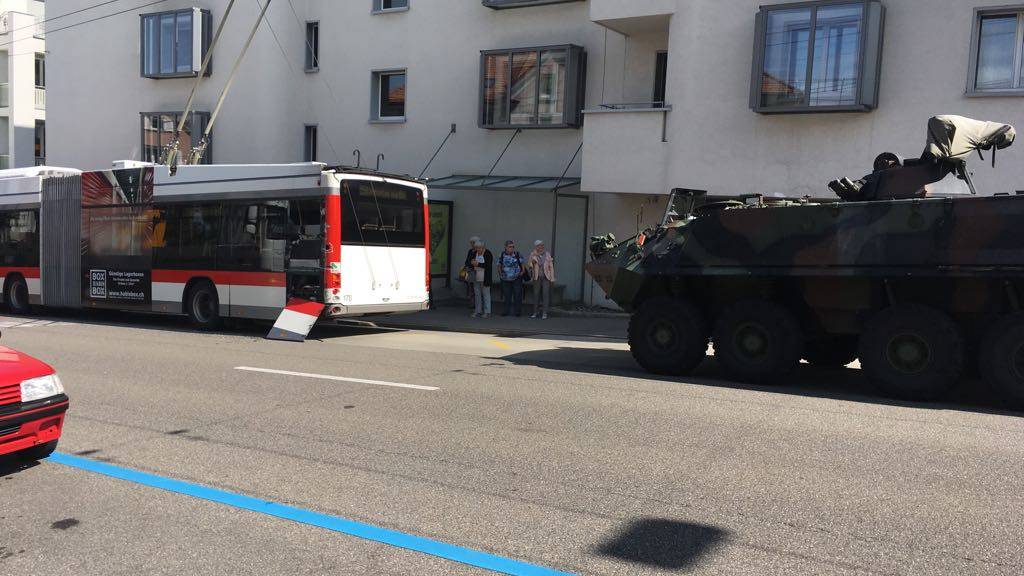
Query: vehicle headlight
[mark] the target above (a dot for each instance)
(42, 387)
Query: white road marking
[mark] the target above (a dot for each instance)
(337, 378)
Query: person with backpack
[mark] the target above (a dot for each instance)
(511, 267)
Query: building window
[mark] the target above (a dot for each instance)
(817, 57)
(390, 5)
(158, 133)
(532, 87)
(40, 71)
(312, 46)
(389, 88)
(309, 153)
(174, 43)
(40, 142)
(660, 78)
(997, 51)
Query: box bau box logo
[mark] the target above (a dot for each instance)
(97, 283)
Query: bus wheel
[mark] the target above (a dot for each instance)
(668, 336)
(912, 352)
(757, 341)
(203, 306)
(16, 295)
(1001, 359)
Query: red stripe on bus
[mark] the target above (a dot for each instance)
(304, 307)
(26, 272)
(226, 278)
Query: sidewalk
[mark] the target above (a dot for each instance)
(451, 318)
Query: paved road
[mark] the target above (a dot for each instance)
(548, 451)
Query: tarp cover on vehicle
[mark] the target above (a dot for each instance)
(952, 137)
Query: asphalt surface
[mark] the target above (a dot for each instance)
(546, 450)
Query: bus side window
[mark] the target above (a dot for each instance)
(19, 238)
(190, 237)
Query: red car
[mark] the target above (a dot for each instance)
(32, 406)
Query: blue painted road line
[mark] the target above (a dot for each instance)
(335, 523)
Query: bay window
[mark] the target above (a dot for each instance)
(532, 87)
(174, 43)
(158, 132)
(817, 56)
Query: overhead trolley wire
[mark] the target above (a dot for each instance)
(91, 20)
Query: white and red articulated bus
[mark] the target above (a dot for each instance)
(214, 241)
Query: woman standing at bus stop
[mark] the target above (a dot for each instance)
(511, 267)
(482, 262)
(542, 273)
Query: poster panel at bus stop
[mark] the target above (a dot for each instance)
(117, 237)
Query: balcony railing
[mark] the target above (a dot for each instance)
(40, 98)
(634, 106)
(502, 4)
(5, 95)
(40, 161)
(5, 161)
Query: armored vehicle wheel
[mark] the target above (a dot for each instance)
(668, 336)
(1001, 359)
(831, 351)
(757, 341)
(912, 352)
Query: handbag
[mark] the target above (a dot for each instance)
(464, 274)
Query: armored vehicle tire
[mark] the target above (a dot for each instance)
(757, 341)
(203, 305)
(668, 336)
(912, 352)
(831, 351)
(1001, 359)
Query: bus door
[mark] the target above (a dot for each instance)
(383, 243)
(304, 255)
(252, 253)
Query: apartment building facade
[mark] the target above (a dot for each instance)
(22, 84)
(548, 119)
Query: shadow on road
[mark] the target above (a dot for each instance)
(667, 544)
(839, 384)
(168, 323)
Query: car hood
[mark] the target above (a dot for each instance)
(16, 366)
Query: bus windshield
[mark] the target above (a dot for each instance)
(382, 214)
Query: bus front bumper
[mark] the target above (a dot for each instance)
(32, 424)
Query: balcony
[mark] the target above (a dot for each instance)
(502, 4)
(625, 149)
(5, 161)
(5, 95)
(40, 98)
(631, 17)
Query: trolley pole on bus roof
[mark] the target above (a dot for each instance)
(171, 152)
(200, 149)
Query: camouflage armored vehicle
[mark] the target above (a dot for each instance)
(910, 271)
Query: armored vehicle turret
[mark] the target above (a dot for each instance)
(910, 270)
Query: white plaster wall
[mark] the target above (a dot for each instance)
(719, 144)
(438, 42)
(21, 77)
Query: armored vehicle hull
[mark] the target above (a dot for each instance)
(916, 287)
